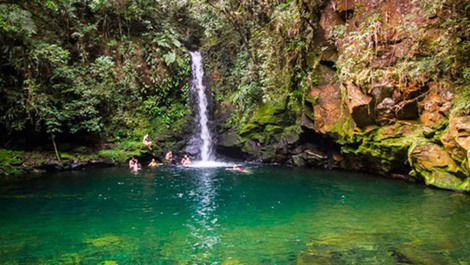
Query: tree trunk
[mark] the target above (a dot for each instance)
(57, 154)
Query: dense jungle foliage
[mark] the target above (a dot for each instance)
(92, 69)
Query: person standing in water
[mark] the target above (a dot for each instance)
(153, 163)
(146, 141)
(134, 164)
(186, 160)
(131, 163)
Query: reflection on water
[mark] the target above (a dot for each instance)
(203, 224)
(211, 216)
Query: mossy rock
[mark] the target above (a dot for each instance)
(81, 150)
(67, 157)
(312, 99)
(10, 161)
(437, 168)
(249, 127)
(103, 241)
(420, 257)
(273, 129)
(229, 139)
(445, 180)
(115, 155)
(269, 114)
(251, 147)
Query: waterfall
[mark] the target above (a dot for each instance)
(198, 88)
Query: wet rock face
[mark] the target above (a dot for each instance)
(230, 145)
(437, 167)
(378, 86)
(327, 112)
(359, 106)
(457, 140)
(435, 106)
(372, 46)
(384, 111)
(309, 155)
(54, 165)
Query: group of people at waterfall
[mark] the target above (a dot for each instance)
(135, 166)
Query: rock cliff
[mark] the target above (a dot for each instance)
(384, 87)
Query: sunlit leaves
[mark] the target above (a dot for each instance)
(14, 20)
(169, 58)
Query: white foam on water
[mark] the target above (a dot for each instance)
(209, 164)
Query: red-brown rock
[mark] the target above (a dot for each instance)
(359, 106)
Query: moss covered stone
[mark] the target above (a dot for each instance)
(437, 168)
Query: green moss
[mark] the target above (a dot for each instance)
(269, 114)
(388, 145)
(444, 179)
(129, 145)
(10, 161)
(273, 129)
(67, 156)
(103, 241)
(117, 155)
(343, 130)
(312, 99)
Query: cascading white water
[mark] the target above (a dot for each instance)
(198, 87)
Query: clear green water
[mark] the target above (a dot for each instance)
(213, 216)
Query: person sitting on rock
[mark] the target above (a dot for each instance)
(169, 157)
(147, 141)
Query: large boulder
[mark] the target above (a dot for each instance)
(407, 110)
(359, 106)
(328, 20)
(437, 168)
(456, 140)
(385, 111)
(435, 106)
(327, 112)
(309, 155)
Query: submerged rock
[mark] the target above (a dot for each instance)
(308, 259)
(104, 241)
(413, 255)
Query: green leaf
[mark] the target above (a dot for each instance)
(169, 58)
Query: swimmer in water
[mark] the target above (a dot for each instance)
(236, 168)
(135, 167)
(169, 157)
(153, 163)
(186, 160)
